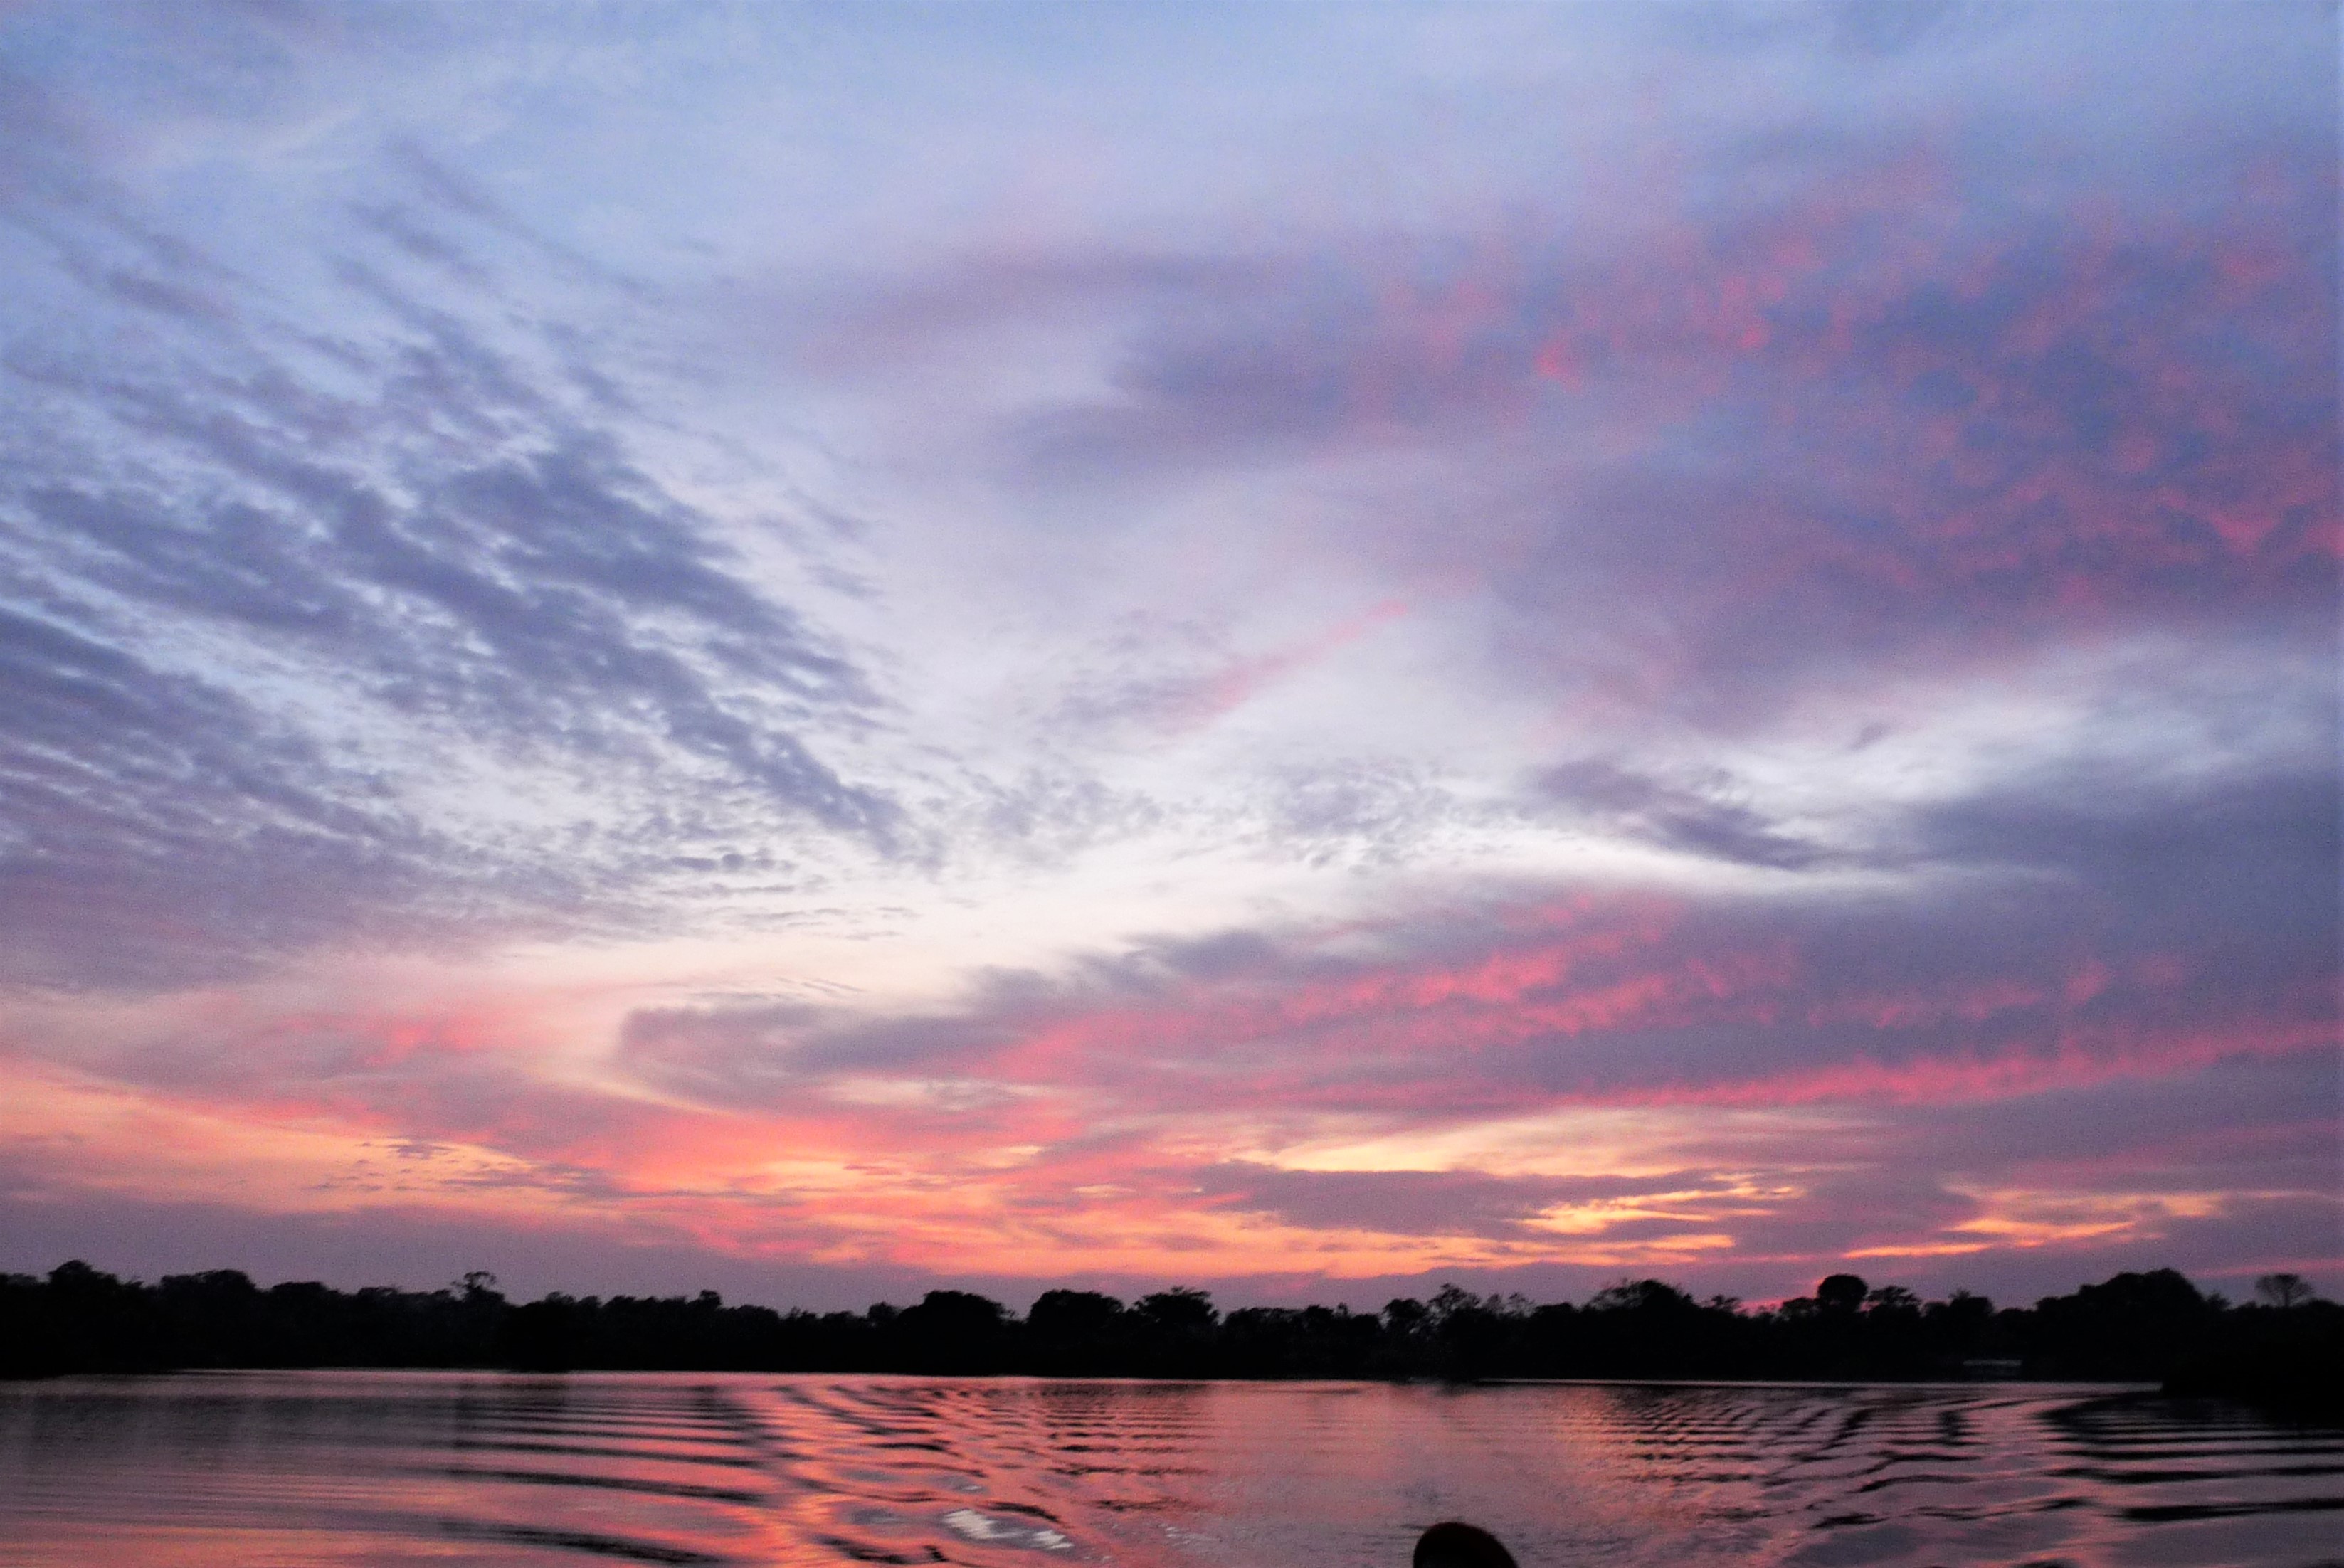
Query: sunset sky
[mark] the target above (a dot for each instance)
(1297, 649)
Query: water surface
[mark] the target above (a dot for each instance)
(335, 1468)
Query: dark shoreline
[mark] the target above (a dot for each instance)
(2149, 1329)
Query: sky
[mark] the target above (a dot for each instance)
(1300, 649)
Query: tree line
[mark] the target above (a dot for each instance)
(2286, 1347)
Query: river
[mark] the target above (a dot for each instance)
(383, 1468)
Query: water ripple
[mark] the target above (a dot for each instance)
(415, 1468)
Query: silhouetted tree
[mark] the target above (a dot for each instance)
(1175, 1334)
(544, 1335)
(1181, 1309)
(1073, 1333)
(1842, 1292)
(952, 1331)
(2131, 1323)
(1406, 1317)
(2284, 1290)
(1074, 1314)
(2289, 1351)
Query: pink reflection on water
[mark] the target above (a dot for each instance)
(399, 1467)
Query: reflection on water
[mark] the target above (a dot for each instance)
(424, 1467)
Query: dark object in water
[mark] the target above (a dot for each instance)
(1453, 1543)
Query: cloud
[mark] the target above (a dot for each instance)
(2217, 857)
(1464, 1202)
(1819, 400)
(287, 598)
(2005, 974)
(161, 830)
(1684, 817)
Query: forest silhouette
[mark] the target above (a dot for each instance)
(2286, 1349)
